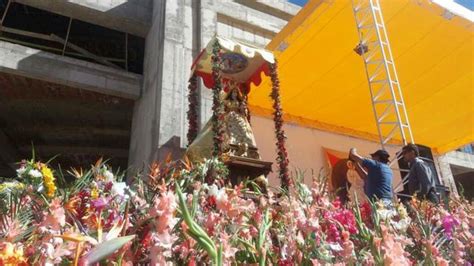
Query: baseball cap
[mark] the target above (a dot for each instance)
(381, 154)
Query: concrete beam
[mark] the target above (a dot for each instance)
(32, 63)
(248, 15)
(279, 9)
(243, 24)
(133, 17)
(461, 159)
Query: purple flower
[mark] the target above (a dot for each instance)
(449, 222)
(100, 203)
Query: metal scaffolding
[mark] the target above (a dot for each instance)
(385, 91)
(386, 94)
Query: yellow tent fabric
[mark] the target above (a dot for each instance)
(324, 85)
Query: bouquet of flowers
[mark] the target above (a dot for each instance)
(189, 214)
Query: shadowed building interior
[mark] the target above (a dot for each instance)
(75, 125)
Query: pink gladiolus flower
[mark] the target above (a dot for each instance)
(347, 246)
(211, 222)
(163, 211)
(54, 219)
(227, 250)
(440, 261)
(394, 254)
(449, 222)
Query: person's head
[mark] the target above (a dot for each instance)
(410, 152)
(381, 156)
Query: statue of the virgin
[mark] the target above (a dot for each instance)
(238, 135)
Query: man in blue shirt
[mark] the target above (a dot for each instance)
(378, 178)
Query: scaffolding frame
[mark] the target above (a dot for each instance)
(385, 90)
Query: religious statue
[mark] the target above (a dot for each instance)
(356, 188)
(229, 68)
(238, 136)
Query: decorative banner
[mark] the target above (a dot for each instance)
(344, 179)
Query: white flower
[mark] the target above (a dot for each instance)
(401, 225)
(121, 189)
(386, 214)
(109, 176)
(213, 190)
(35, 173)
(20, 171)
(335, 247)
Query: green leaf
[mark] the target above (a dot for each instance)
(105, 249)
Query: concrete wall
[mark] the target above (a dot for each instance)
(33, 63)
(456, 159)
(306, 147)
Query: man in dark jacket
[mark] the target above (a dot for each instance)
(421, 180)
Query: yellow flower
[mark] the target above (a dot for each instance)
(48, 181)
(11, 255)
(402, 211)
(94, 193)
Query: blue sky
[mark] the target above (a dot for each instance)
(466, 3)
(298, 2)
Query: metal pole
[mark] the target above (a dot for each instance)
(354, 7)
(390, 84)
(402, 100)
(67, 36)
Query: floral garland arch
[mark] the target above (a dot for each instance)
(226, 60)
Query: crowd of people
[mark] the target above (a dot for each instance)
(377, 175)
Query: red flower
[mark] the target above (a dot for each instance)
(366, 213)
(285, 262)
(192, 262)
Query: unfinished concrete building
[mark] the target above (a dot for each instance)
(87, 79)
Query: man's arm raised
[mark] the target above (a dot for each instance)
(353, 155)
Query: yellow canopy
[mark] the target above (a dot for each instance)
(324, 85)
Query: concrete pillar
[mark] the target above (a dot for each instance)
(159, 120)
(208, 30)
(446, 175)
(145, 123)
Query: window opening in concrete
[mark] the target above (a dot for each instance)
(463, 177)
(62, 35)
